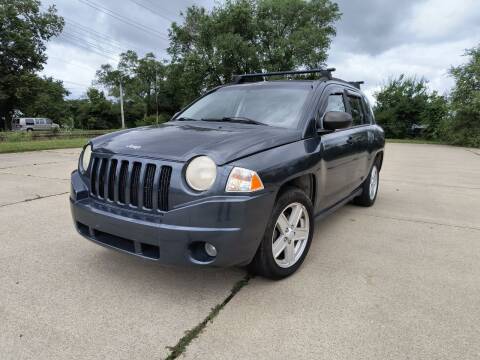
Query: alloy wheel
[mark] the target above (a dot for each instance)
(290, 235)
(373, 183)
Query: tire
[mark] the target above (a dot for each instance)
(369, 187)
(294, 242)
(29, 130)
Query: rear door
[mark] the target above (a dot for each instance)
(359, 136)
(40, 124)
(48, 124)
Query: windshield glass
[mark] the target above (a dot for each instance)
(274, 106)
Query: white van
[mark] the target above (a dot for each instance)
(34, 124)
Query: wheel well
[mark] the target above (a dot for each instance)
(306, 183)
(379, 158)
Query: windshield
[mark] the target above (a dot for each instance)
(274, 106)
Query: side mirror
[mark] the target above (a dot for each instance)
(334, 120)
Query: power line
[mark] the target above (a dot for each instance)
(123, 19)
(92, 44)
(86, 47)
(102, 37)
(152, 10)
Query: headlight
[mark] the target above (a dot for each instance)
(86, 156)
(243, 180)
(201, 173)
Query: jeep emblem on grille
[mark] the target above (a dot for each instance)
(134, 147)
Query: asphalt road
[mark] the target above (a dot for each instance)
(400, 280)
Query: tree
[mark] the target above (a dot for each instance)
(94, 112)
(143, 82)
(24, 31)
(43, 97)
(463, 126)
(404, 102)
(243, 36)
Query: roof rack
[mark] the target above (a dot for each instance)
(238, 79)
(357, 83)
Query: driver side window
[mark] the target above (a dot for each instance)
(335, 103)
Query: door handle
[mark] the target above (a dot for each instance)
(350, 140)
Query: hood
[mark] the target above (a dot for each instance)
(180, 141)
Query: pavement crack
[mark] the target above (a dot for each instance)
(473, 152)
(181, 346)
(424, 222)
(33, 199)
(34, 176)
(35, 164)
(431, 184)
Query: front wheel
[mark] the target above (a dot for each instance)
(287, 238)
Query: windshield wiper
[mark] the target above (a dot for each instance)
(185, 119)
(238, 119)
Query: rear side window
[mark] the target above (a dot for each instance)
(29, 122)
(356, 110)
(335, 103)
(368, 111)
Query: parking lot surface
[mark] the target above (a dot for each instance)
(400, 280)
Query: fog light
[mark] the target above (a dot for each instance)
(210, 250)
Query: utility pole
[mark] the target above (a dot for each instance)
(121, 105)
(156, 88)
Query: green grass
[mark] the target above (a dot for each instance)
(29, 145)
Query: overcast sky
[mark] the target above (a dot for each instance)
(376, 39)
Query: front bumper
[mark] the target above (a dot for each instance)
(233, 224)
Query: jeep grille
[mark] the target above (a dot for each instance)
(140, 184)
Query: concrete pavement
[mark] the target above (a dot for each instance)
(63, 297)
(398, 280)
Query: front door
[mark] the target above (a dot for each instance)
(338, 155)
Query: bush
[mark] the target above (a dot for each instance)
(405, 102)
(152, 120)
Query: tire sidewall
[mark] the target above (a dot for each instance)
(290, 196)
(375, 165)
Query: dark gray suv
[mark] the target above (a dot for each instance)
(236, 178)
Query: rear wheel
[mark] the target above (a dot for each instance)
(369, 187)
(287, 238)
(29, 130)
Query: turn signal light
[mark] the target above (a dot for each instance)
(243, 180)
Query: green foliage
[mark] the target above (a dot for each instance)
(242, 36)
(42, 97)
(462, 127)
(94, 112)
(403, 102)
(152, 120)
(24, 32)
(143, 81)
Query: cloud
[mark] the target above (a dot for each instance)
(376, 39)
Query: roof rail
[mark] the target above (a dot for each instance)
(357, 83)
(238, 79)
